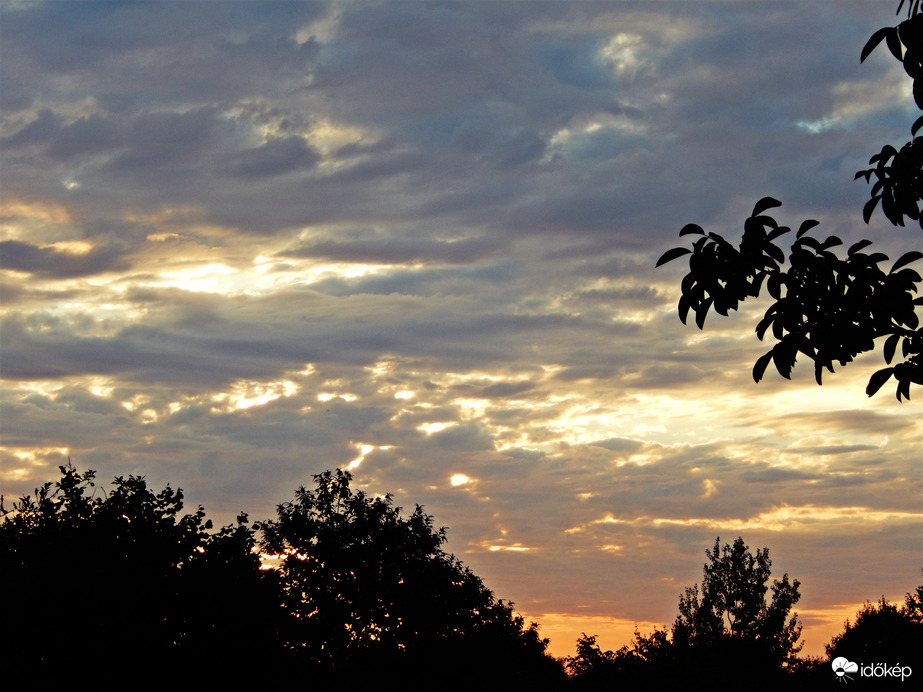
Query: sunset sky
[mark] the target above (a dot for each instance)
(244, 243)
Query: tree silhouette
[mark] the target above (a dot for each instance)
(125, 579)
(724, 628)
(732, 605)
(883, 633)
(368, 589)
(826, 307)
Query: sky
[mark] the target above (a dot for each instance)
(244, 243)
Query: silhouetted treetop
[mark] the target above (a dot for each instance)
(112, 580)
(732, 603)
(735, 626)
(363, 583)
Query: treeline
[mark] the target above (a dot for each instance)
(341, 588)
(730, 628)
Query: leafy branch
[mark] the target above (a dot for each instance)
(826, 307)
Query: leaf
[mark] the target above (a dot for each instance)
(910, 276)
(916, 126)
(785, 369)
(906, 258)
(890, 346)
(832, 241)
(861, 245)
(893, 42)
(764, 204)
(873, 42)
(763, 325)
(903, 387)
(806, 226)
(869, 208)
(701, 312)
(811, 243)
(774, 285)
(759, 368)
(784, 358)
(683, 308)
(776, 253)
(775, 233)
(877, 381)
(691, 228)
(671, 255)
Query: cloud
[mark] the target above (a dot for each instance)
(243, 243)
(275, 157)
(60, 262)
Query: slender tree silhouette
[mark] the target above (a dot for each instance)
(732, 605)
(726, 628)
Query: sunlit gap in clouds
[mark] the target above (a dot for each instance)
(364, 451)
(785, 518)
(27, 460)
(245, 394)
(265, 276)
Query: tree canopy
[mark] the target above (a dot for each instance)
(883, 632)
(113, 581)
(726, 627)
(732, 605)
(365, 587)
(827, 307)
(109, 581)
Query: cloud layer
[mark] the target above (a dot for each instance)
(243, 243)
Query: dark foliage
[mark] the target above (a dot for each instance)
(732, 609)
(123, 583)
(884, 633)
(726, 628)
(827, 307)
(899, 173)
(114, 583)
(369, 591)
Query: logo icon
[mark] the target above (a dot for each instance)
(842, 667)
